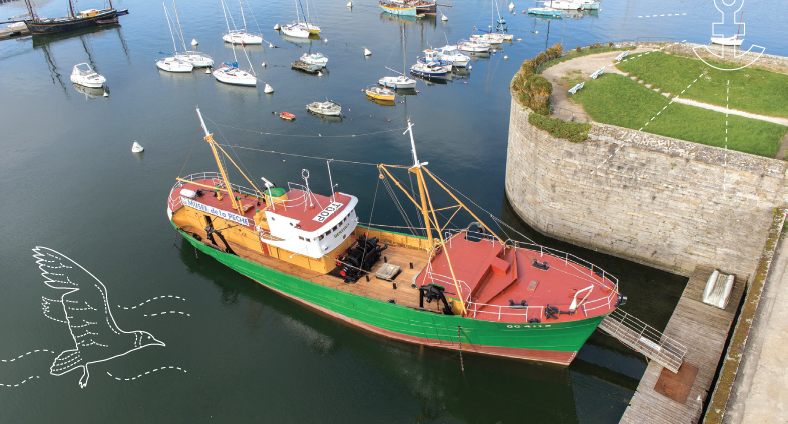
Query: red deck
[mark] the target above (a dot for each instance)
(491, 276)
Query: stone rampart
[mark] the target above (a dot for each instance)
(668, 203)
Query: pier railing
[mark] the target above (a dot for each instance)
(645, 339)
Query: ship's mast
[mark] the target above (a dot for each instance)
(228, 186)
(71, 8)
(33, 16)
(425, 198)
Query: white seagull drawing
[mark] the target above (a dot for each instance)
(85, 308)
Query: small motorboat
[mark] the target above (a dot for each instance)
(379, 93)
(329, 108)
(730, 41)
(197, 59)
(239, 36)
(306, 67)
(229, 73)
(589, 5)
(314, 59)
(287, 116)
(453, 55)
(173, 64)
(296, 30)
(490, 38)
(473, 46)
(563, 4)
(545, 11)
(400, 81)
(430, 70)
(84, 75)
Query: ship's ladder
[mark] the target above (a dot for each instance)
(645, 339)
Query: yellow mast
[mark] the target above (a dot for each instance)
(209, 138)
(426, 211)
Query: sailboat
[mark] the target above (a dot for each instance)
(239, 36)
(490, 36)
(301, 29)
(730, 41)
(197, 59)
(402, 80)
(230, 73)
(172, 63)
(545, 10)
(85, 18)
(462, 288)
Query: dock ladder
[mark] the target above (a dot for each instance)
(643, 338)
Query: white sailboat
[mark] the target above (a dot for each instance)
(230, 73)
(239, 36)
(730, 41)
(401, 80)
(197, 59)
(299, 28)
(172, 64)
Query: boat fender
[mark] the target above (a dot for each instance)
(199, 193)
(394, 301)
(622, 300)
(534, 321)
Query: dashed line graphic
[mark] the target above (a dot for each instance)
(671, 102)
(727, 94)
(146, 373)
(153, 298)
(19, 384)
(663, 15)
(165, 312)
(25, 354)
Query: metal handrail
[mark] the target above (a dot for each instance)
(645, 339)
(497, 310)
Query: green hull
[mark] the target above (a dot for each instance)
(549, 342)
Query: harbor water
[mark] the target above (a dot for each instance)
(235, 351)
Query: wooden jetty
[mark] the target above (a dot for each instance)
(6, 33)
(667, 397)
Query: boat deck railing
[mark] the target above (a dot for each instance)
(645, 339)
(448, 281)
(216, 181)
(583, 268)
(508, 313)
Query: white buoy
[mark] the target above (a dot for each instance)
(350, 4)
(536, 32)
(319, 73)
(444, 18)
(194, 42)
(470, 67)
(270, 45)
(325, 40)
(268, 89)
(506, 58)
(106, 94)
(367, 52)
(208, 71)
(511, 6)
(136, 148)
(277, 27)
(263, 64)
(519, 39)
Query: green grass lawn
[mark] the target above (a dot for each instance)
(617, 100)
(751, 90)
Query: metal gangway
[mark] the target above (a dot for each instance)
(643, 338)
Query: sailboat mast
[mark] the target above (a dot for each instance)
(185, 49)
(224, 9)
(166, 15)
(242, 13)
(71, 8)
(212, 143)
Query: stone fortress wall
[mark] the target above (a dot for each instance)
(656, 200)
